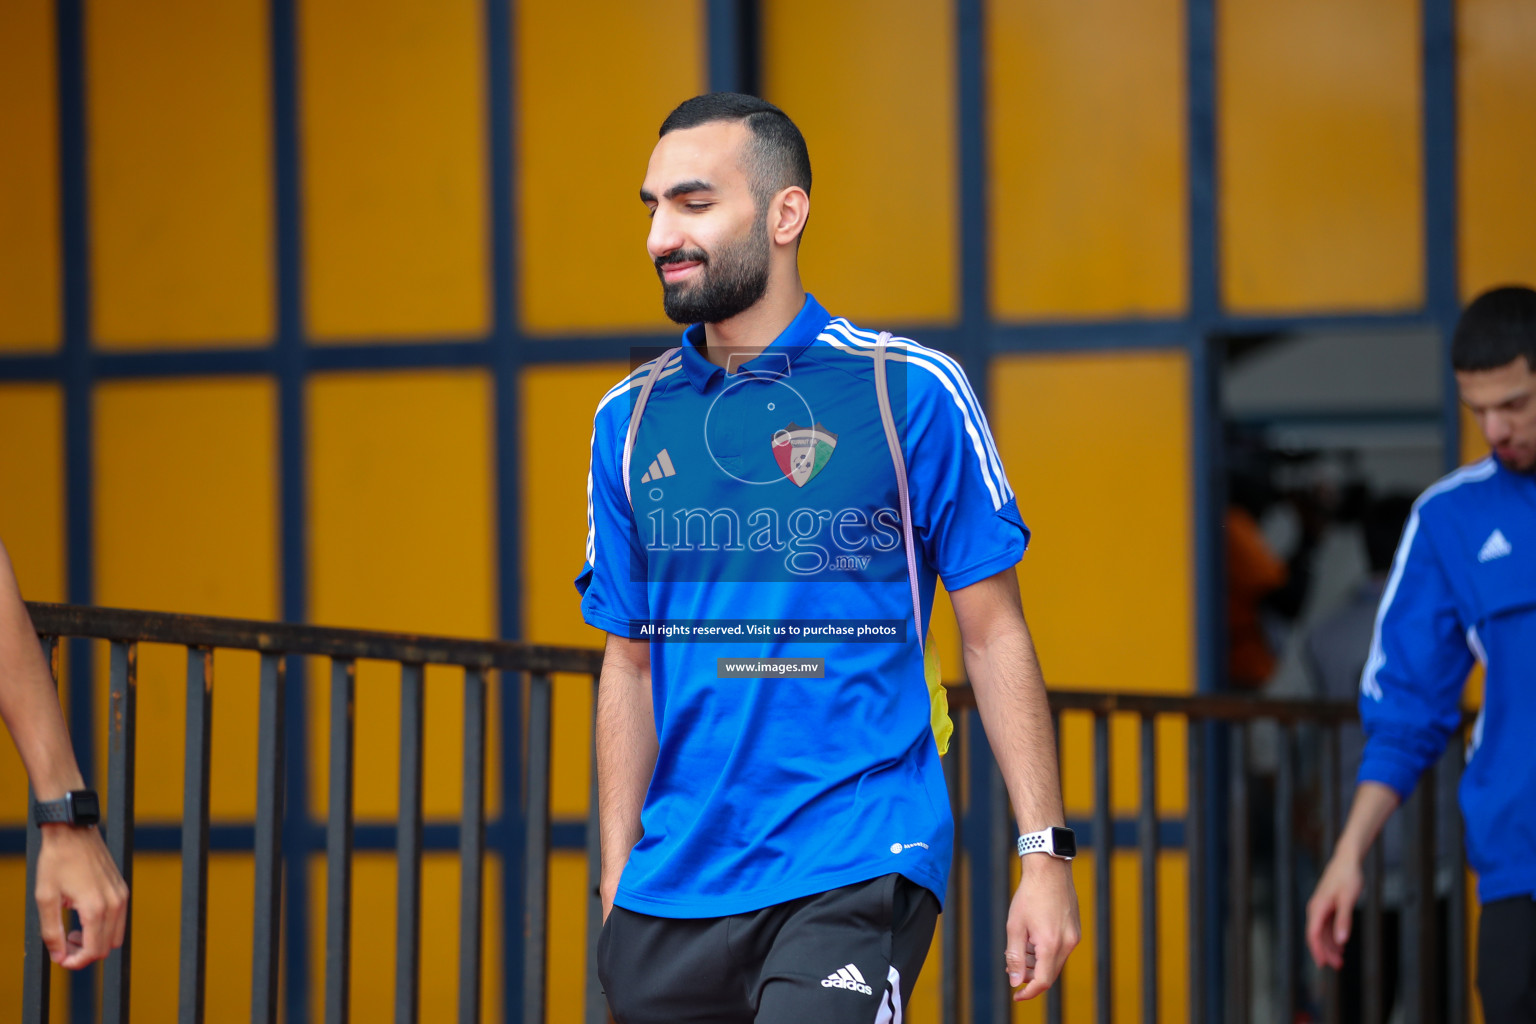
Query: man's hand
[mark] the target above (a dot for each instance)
(1043, 926)
(75, 871)
(1333, 901)
(1330, 908)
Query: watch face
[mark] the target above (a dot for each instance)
(1064, 842)
(84, 808)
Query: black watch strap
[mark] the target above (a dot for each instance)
(78, 807)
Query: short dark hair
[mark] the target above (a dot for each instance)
(776, 158)
(1497, 328)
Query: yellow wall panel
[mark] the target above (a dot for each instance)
(1496, 89)
(186, 521)
(1086, 118)
(180, 151)
(401, 536)
(1097, 450)
(29, 188)
(1319, 155)
(871, 83)
(373, 939)
(393, 135)
(588, 107)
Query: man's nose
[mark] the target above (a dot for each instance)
(1496, 429)
(663, 238)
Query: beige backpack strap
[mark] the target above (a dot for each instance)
(638, 409)
(899, 460)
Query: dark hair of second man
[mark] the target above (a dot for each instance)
(776, 157)
(1496, 329)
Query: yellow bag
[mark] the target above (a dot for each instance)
(943, 727)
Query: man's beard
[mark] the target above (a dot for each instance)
(729, 283)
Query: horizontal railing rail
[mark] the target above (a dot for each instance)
(1217, 832)
(62, 620)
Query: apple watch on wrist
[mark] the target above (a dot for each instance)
(1057, 842)
(77, 808)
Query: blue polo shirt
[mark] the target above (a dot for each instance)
(765, 503)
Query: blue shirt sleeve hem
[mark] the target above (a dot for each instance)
(603, 621)
(981, 570)
(1401, 778)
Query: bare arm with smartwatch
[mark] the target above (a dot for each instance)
(1043, 925)
(74, 869)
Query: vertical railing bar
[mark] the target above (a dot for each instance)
(1196, 859)
(36, 990)
(1285, 878)
(119, 818)
(1456, 900)
(267, 938)
(122, 729)
(1373, 951)
(536, 861)
(1240, 962)
(194, 835)
(472, 848)
(408, 841)
(1329, 771)
(595, 1006)
(1147, 841)
(339, 824)
(1103, 870)
(949, 921)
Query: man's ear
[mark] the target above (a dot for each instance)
(787, 215)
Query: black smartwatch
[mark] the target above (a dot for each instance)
(1057, 842)
(79, 808)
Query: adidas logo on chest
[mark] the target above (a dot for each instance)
(1496, 546)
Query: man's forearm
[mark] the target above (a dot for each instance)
(29, 704)
(1372, 806)
(1010, 694)
(626, 752)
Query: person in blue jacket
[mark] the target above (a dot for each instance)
(1462, 587)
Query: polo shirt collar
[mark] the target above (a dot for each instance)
(772, 361)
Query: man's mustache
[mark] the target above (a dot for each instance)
(681, 256)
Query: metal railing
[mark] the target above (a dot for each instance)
(1218, 837)
(276, 643)
(1216, 833)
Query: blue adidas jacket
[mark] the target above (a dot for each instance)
(1463, 586)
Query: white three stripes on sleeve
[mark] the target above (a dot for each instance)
(843, 336)
(1370, 685)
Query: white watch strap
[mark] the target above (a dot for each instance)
(1038, 842)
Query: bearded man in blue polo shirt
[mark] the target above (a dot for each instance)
(770, 506)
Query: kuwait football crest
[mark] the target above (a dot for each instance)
(802, 451)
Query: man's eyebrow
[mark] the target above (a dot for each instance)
(682, 188)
